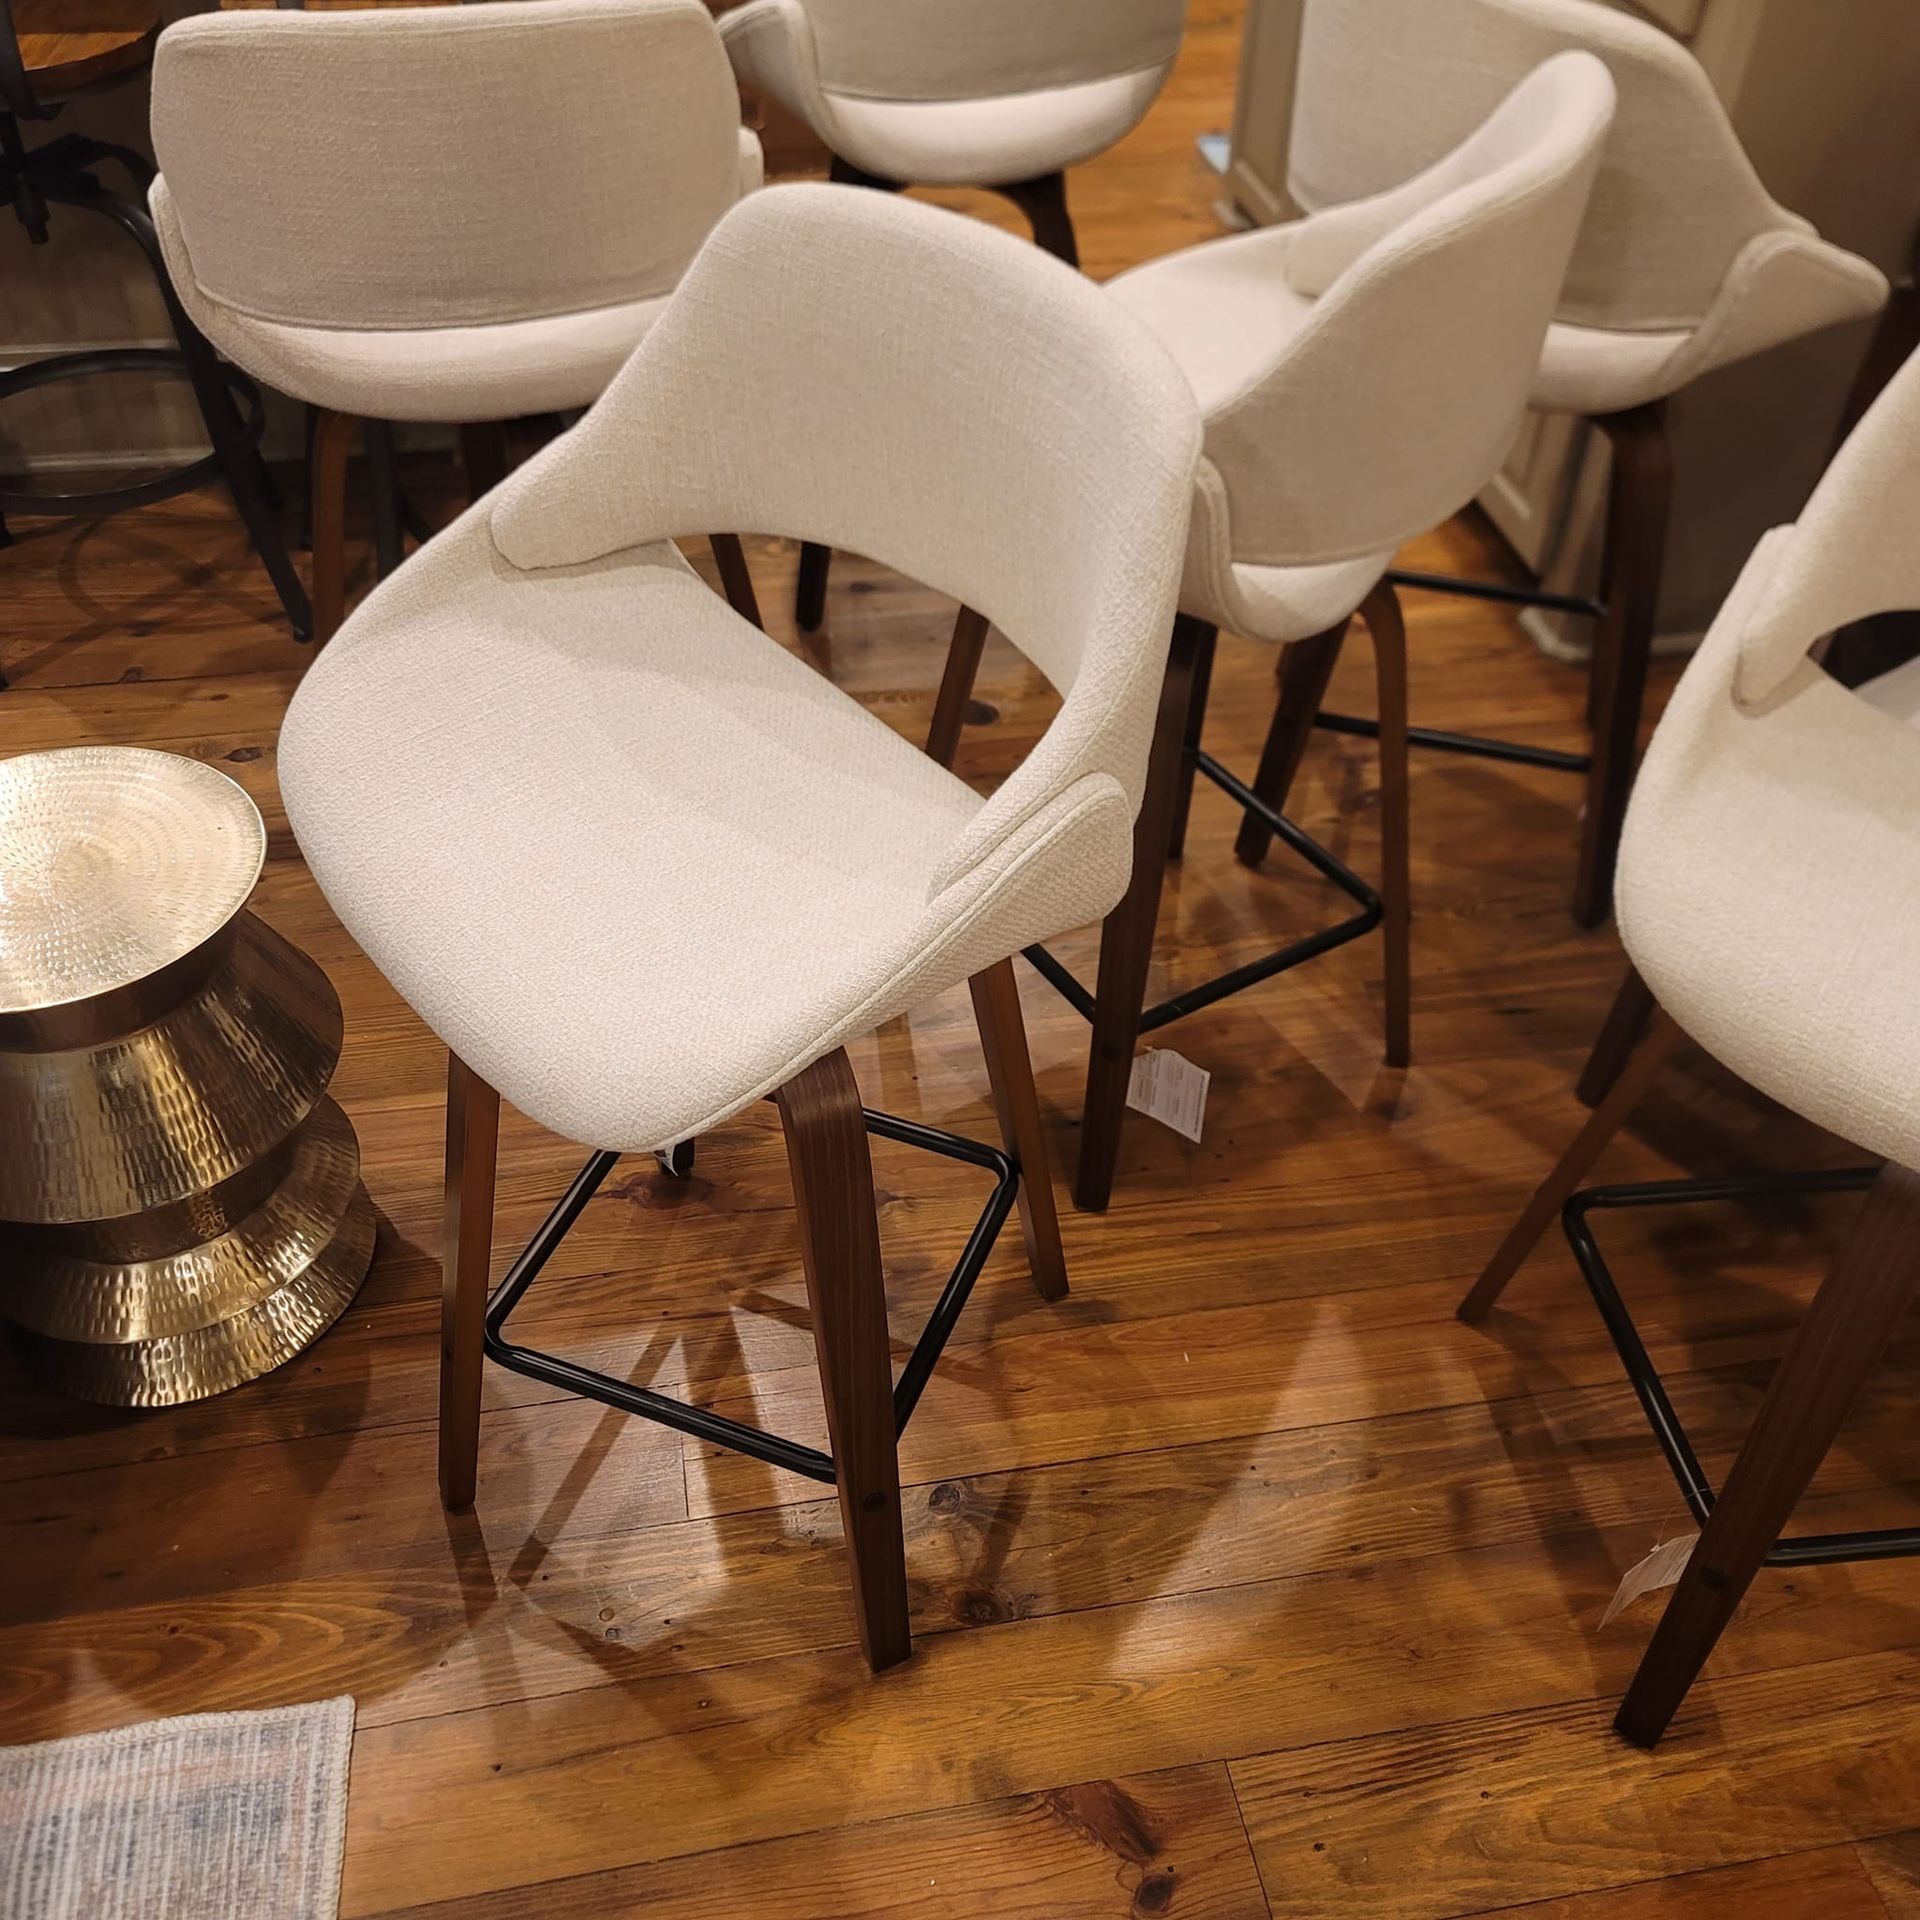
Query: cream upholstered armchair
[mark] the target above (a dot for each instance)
(1685, 263)
(1003, 94)
(444, 271)
(1769, 898)
(1311, 349)
(639, 866)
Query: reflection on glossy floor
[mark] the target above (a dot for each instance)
(1246, 1581)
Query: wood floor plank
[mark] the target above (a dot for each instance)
(1506, 1808)
(1497, 1640)
(1892, 1863)
(1828, 1885)
(1127, 1849)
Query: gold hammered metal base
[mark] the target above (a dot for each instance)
(190, 1366)
(180, 1204)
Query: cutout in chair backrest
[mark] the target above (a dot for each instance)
(1854, 550)
(1384, 87)
(445, 167)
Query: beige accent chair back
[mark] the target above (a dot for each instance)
(1385, 87)
(443, 167)
(1390, 402)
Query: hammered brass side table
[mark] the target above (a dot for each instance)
(180, 1203)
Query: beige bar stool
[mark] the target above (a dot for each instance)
(1685, 263)
(1311, 350)
(1769, 898)
(455, 271)
(640, 867)
(1002, 94)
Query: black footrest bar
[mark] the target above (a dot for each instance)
(716, 1428)
(1475, 744)
(1801, 1550)
(1329, 865)
(1458, 584)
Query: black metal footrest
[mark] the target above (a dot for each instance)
(1310, 947)
(1478, 746)
(202, 472)
(714, 1427)
(1804, 1550)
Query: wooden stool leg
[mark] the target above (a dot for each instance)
(956, 685)
(466, 1254)
(1381, 611)
(1638, 497)
(1626, 1021)
(1857, 1310)
(735, 581)
(1126, 937)
(1183, 776)
(483, 452)
(1044, 201)
(1003, 1038)
(810, 589)
(840, 1244)
(1662, 1036)
(333, 435)
(1302, 672)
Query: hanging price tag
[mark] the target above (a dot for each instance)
(1661, 1568)
(1167, 1086)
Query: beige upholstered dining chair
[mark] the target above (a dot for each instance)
(1685, 263)
(348, 214)
(640, 867)
(1769, 899)
(1311, 349)
(1002, 94)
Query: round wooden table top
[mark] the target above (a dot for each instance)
(67, 45)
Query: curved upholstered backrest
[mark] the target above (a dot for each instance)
(1384, 87)
(888, 378)
(1396, 400)
(966, 49)
(445, 166)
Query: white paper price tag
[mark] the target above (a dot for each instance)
(1661, 1568)
(1167, 1086)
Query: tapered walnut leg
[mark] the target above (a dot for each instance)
(1381, 611)
(1638, 498)
(466, 1253)
(1661, 1037)
(1044, 201)
(1189, 766)
(956, 685)
(333, 436)
(1857, 1310)
(483, 453)
(1126, 936)
(735, 581)
(1626, 1021)
(840, 1244)
(1003, 1038)
(1302, 671)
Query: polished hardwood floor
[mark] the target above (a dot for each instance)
(1245, 1580)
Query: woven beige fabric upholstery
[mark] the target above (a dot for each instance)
(455, 213)
(633, 861)
(1685, 262)
(1312, 350)
(1769, 885)
(959, 92)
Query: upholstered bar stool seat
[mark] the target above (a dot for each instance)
(699, 859)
